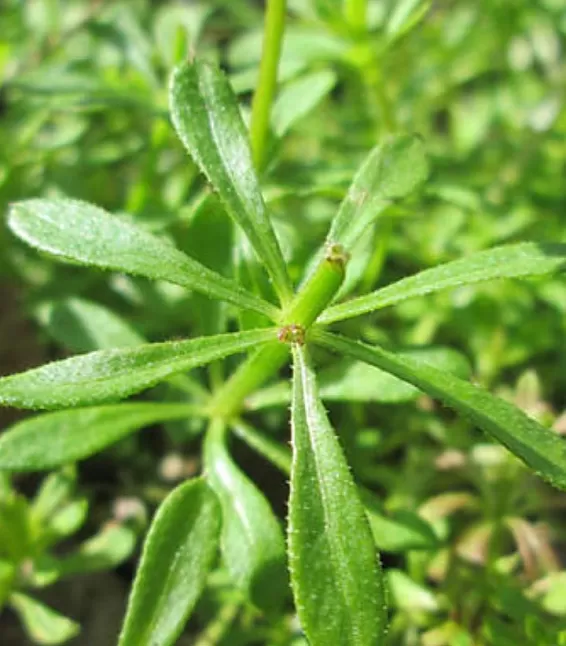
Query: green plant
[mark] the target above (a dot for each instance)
(336, 580)
(29, 559)
(335, 576)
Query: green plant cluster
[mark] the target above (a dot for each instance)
(315, 233)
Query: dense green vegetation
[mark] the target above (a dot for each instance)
(333, 298)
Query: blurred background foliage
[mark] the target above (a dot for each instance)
(474, 545)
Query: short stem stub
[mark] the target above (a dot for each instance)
(319, 289)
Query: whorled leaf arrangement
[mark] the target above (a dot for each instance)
(335, 574)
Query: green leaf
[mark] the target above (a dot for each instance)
(391, 171)
(252, 542)
(249, 273)
(44, 625)
(209, 239)
(399, 531)
(541, 449)
(55, 491)
(408, 595)
(278, 454)
(66, 521)
(405, 16)
(113, 545)
(178, 22)
(335, 570)
(8, 573)
(207, 118)
(347, 381)
(510, 261)
(79, 232)
(177, 555)
(109, 375)
(299, 97)
(359, 382)
(83, 326)
(18, 532)
(54, 439)
(110, 547)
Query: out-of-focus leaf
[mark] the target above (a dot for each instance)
(298, 98)
(7, 577)
(17, 530)
(110, 547)
(252, 542)
(408, 595)
(178, 22)
(405, 16)
(178, 553)
(67, 520)
(55, 491)
(399, 531)
(83, 326)
(391, 171)
(356, 381)
(44, 625)
(55, 439)
(301, 47)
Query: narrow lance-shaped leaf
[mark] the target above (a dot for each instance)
(540, 448)
(178, 553)
(391, 171)
(109, 375)
(79, 232)
(54, 439)
(82, 326)
(252, 542)
(207, 118)
(510, 261)
(393, 533)
(335, 570)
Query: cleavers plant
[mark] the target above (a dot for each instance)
(335, 575)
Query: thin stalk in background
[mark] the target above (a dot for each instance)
(219, 626)
(355, 13)
(263, 97)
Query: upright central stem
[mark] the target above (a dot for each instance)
(355, 13)
(309, 302)
(263, 97)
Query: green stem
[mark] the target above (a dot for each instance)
(263, 97)
(220, 625)
(318, 290)
(310, 301)
(377, 95)
(251, 374)
(355, 13)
